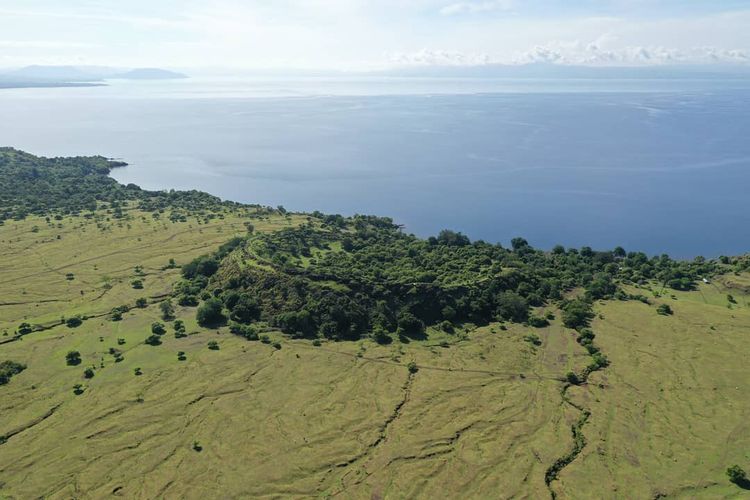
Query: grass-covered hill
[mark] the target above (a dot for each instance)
(162, 345)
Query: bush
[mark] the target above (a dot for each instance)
(210, 313)
(572, 378)
(187, 300)
(737, 475)
(153, 340)
(664, 310)
(78, 389)
(137, 284)
(141, 303)
(24, 329)
(158, 329)
(74, 322)
(412, 367)
(8, 369)
(447, 327)
(381, 336)
(213, 345)
(73, 358)
(538, 322)
(88, 373)
(533, 339)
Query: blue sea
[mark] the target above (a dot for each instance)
(661, 166)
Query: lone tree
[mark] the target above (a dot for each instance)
(73, 358)
(167, 310)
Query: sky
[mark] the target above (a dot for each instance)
(371, 34)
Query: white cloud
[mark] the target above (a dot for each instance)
(476, 7)
(593, 54)
(427, 57)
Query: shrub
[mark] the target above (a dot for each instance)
(276, 345)
(447, 327)
(8, 369)
(538, 322)
(533, 339)
(197, 446)
(187, 300)
(137, 372)
(158, 329)
(153, 340)
(181, 356)
(24, 329)
(78, 389)
(120, 341)
(74, 322)
(73, 358)
(572, 378)
(381, 336)
(412, 367)
(88, 373)
(664, 310)
(317, 343)
(265, 339)
(137, 284)
(737, 475)
(213, 345)
(141, 303)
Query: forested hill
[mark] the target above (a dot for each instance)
(347, 278)
(34, 185)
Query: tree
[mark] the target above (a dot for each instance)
(245, 309)
(167, 310)
(737, 475)
(137, 284)
(213, 345)
(73, 358)
(88, 373)
(577, 314)
(409, 325)
(210, 313)
(141, 303)
(158, 328)
(512, 307)
(153, 340)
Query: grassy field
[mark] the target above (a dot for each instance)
(485, 415)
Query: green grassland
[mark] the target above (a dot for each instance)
(483, 417)
(358, 362)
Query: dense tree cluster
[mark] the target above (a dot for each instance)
(31, 185)
(345, 278)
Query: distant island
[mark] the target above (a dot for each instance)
(79, 76)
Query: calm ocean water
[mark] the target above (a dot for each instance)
(658, 165)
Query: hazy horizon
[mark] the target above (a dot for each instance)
(362, 35)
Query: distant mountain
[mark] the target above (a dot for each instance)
(84, 74)
(52, 74)
(149, 74)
